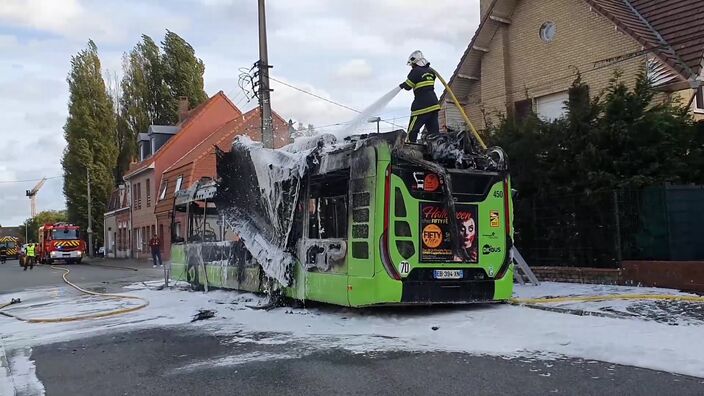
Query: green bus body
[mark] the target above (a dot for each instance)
(384, 242)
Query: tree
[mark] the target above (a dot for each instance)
(32, 225)
(183, 71)
(611, 148)
(153, 80)
(145, 99)
(90, 134)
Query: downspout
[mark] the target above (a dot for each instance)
(129, 226)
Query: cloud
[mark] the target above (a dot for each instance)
(355, 69)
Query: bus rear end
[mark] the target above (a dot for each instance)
(439, 260)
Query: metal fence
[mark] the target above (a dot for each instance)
(604, 228)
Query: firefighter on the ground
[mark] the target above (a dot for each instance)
(425, 107)
(155, 245)
(30, 256)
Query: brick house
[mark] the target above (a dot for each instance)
(159, 148)
(525, 53)
(116, 224)
(200, 162)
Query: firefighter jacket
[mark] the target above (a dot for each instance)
(421, 80)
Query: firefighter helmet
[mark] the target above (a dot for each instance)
(417, 58)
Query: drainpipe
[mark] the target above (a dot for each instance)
(129, 225)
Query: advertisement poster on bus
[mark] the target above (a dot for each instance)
(436, 242)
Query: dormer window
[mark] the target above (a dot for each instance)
(178, 183)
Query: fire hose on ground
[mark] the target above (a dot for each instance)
(608, 297)
(103, 314)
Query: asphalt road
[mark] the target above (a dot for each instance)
(186, 360)
(183, 361)
(110, 274)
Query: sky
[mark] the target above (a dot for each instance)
(351, 52)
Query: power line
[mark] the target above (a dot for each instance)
(314, 95)
(27, 180)
(329, 101)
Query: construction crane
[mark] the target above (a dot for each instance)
(32, 194)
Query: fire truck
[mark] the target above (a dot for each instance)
(60, 241)
(10, 244)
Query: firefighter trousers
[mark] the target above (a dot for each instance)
(429, 120)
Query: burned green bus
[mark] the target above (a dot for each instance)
(363, 221)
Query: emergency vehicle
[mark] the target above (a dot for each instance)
(9, 243)
(60, 241)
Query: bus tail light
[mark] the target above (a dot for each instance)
(507, 206)
(509, 241)
(431, 182)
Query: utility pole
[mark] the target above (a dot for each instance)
(264, 91)
(90, 217)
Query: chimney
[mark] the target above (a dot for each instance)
(182, 108)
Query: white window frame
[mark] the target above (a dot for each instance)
(162, 195)
(551, 114)
(179, 182)
(699, 99)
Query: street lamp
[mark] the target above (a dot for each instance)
(377, 120)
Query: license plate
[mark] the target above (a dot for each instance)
(67, 254)
(448, 274)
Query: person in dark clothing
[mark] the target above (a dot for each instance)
(155, 245)
(425, 107)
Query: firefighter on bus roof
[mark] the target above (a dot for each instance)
(425, 107)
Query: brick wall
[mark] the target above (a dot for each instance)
(520, 65)
(578, 275)
(684, 275)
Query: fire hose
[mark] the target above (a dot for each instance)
(97, 315)
(608, 297)
(461, 110)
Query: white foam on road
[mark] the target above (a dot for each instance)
(499, 330)
(18, 374)
(233, 361)
(7, 387)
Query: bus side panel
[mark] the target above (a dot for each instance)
(326, 287)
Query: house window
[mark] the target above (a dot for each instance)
(163, 190)
(551, 107)
(699, 105)
(139, 195)
(149, 194)
(522, 109)
(548, 31)
(178, 183)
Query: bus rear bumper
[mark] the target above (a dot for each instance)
(447, 292)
